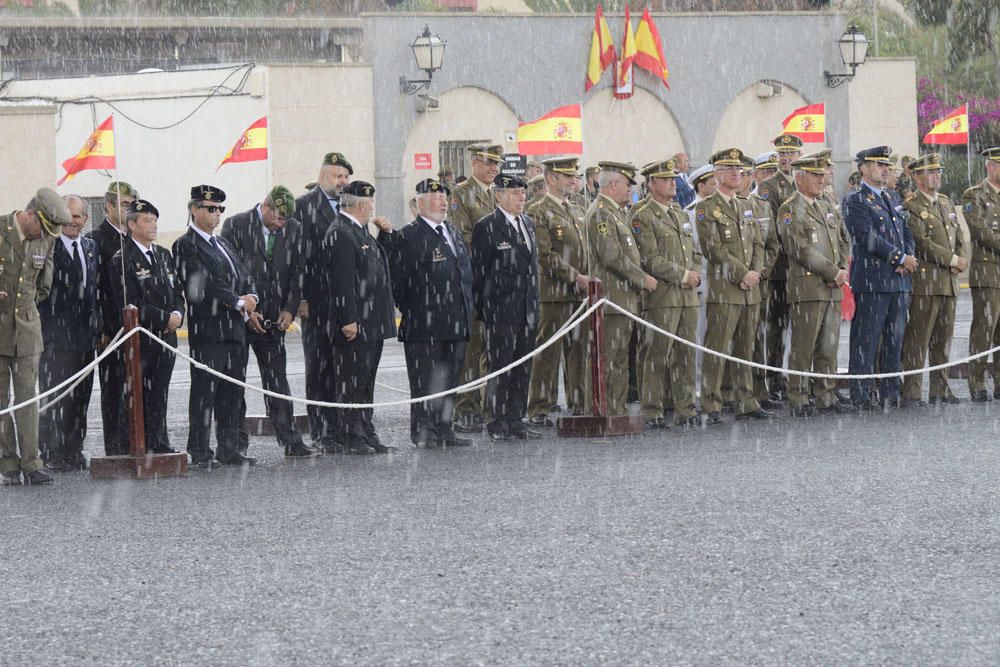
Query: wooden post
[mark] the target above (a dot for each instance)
(133, 385)
(598, 424)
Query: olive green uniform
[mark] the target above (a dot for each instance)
(818, 248)
(981, 206)
(667, 250)
(731, 241)
(615, 261)
(775, 191)
(562, 256)
(931, 323)
(471, 201)
(25, 278)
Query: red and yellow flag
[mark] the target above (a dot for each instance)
(952, 129)
(98, 152)
(649, 49)
(557, 132)
(251, 146)
(623, 72)
(602, 50)
(807, 123)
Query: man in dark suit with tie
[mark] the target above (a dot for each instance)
(316, 210)
(151, 286)
(358, 312)
(505, 293)
(882, 261)
(432, 285)
(220, 298)
(267, 240)
(70, 324)
(110, 237)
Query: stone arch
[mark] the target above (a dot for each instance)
(485, 116)
(637, 130)
(751, 122)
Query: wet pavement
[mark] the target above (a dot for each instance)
(868, 539)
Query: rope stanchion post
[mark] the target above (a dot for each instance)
(138, 463)
(599, 424)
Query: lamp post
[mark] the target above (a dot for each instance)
(853, 50)
(428, 51)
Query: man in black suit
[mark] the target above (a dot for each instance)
(359, 313)
(316, 210)
(152, 287)
(505, 291)
(220, 298)
(267, 240)
(432, 285)
(111, 237)
(70, 324)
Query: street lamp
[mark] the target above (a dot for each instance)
(853, 50)
(428, 51)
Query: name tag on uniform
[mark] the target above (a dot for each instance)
(503, 245)
(38, 261)
(438, 256)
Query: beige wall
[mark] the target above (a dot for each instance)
(315, 109)
(883, 106)
(637, 130)
(750, 123)
(29, 133)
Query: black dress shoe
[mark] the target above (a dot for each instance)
(541, 420)
(237, 459)
(12, 478)
(729, 406)
(980, 396)
(945, 400)
(711, 418)
(913, 403)
(500, 436)
(755, 414)
(205, 464)
(163, 449)
(525, 433)
(655, 424)
(469, 424)
(686, 422)
(300, 450)
(380, 448)
(360, 449)
(58, 465)
(455, 441)
(768, 404)
(839, 408)
(996, 394)
(40, 476)
(802, 411)
(871, 405)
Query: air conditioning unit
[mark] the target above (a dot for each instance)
(768, 88)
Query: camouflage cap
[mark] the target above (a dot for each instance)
(121, 189)
(338, 160)
(282, 200)
(51, 210)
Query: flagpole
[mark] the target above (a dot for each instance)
(968, 159)
(123, 223)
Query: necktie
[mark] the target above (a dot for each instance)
(149, 255)
(522, 232)
(269, 245)
(76, 259)
(218, 249)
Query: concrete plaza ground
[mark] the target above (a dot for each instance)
(868, 539)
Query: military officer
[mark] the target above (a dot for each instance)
(669, 254)
(882, 262)
(732, 243)
(536, 189)
(775, 191)
(150, 286)
(430, 265)
(110, 237)
(471, 201)
(941, 250)
(316, 210)
(981, 207)
(616, 262)
(26, 239)
(220, 297)
(505, 293)
(685, 192)
(765, 166)
(817, 246)
(562, 284)
(591, 187)
(359, 312)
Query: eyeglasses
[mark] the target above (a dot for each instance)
(214, 209)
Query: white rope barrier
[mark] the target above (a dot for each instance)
(82, 376)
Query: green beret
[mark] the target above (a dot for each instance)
(282, 200)
(52, 210)
(338, 159)
(122, 189)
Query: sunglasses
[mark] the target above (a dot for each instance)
(214, 209)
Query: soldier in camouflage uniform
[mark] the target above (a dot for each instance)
(471, 201)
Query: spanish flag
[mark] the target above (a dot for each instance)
(98, 152)
(649, 49)
(952, 129)
(602, 50)
(559, 131)
(807, 123)
(623, 75)
(251, 146)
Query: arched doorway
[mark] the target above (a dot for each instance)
(750, 121)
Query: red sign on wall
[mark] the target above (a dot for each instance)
(422, 161)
